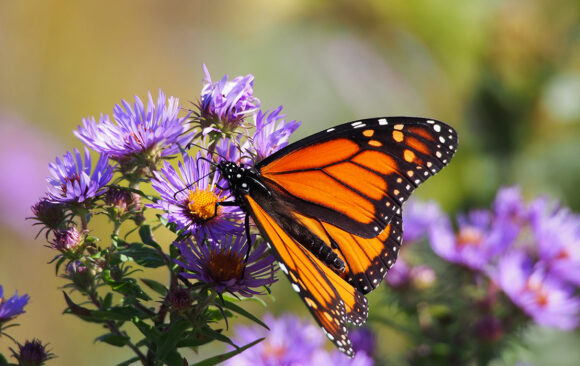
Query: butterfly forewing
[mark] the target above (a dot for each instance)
(357, 175)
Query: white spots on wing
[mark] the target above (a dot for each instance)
(430, 122)
(357, 124)
(442, 139)
(330, 129)
(296, 288)
(283, 267)
(417, 181)
(437, 128)
(383, 121)
(376, 228)
(438, 154)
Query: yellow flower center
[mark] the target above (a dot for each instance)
(469, 236)
(202, 204)
(225, 266)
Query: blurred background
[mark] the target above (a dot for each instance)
(505, 74)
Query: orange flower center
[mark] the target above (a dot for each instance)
(469, 236)
(203, 204)
(274, 351)
(539, 292)
(225, 266)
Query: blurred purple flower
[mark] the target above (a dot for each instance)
(539, 294)
(226, 103)
(9, 308)
(290, 342)
(337, 358)
(191, 197)
(399, 274)
(364, 340)
(156, 131)
(221, 262)
(272, 134)
(18, 194)
(417, 219)
(557, 233)
(422, 277)
(71, 179)
(478, 241)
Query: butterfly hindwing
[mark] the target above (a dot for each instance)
(332, 301)
(367, 260)
(357, 175)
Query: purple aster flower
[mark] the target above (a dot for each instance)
(72, 180)
(221, 263)
(478, 241)
(557, 234)
(539, 294)
(226, 102)
(289, 342)
(191, 198)
(272, 134)
(149, 133)
(418, 218)
(229, 149)
(11, 307)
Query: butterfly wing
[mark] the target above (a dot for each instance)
(347, 185)
(367, 260)
(332, 301)
(357, 175)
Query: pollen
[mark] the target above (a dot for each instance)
(225, 266)
(202, 204)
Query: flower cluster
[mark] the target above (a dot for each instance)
(530, 251)
(293, 341)
(210, 255)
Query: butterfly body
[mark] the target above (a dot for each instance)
(330, 206)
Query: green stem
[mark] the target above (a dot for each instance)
(113, 328)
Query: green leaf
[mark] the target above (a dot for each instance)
(147, 236)
(142, 255)
(107, 300)
(207, 331)
(155, 286)
(221, 358)
(169, 340)
(114, 339)
(193, 339)
(235, 308)
(126, 286)
(129, 361)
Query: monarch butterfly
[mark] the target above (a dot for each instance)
(330, 207)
